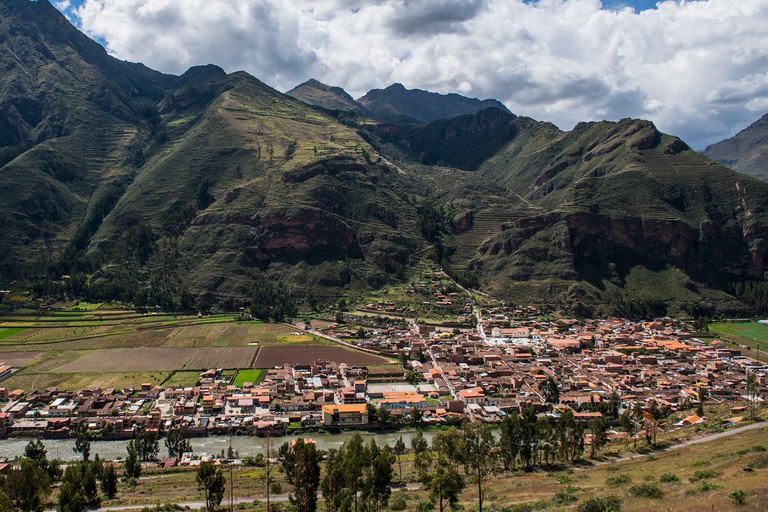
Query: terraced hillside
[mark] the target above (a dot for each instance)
(200, 189)
(485, 225)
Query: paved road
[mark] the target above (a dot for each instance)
(705, 439)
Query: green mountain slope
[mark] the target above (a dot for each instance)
(158, 189)
(593, 213)
(328, 97)
(746, 152)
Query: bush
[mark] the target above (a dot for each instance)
(646, 490)
(398, 503)
(425, 506)
(566, 496)
(615, 481)
(608, 503)
(708, 486)
(668, 478)
(738, 497)
(704, 474)
(760, 462)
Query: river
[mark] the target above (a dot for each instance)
(112, 450)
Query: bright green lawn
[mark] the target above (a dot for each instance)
(253, 376)
(10, 331)
(749, 334)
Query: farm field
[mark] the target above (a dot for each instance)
(272, 356)
(747, 334)
(182, 379)
(160, 359)
(116, 348)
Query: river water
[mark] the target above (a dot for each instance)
(112, 450)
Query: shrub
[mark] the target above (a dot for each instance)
(566, 496)
(704, 474)
(738, 497)
(398, 503)
(608, 503)
(707, 486)
(760, 462)
(615, 481)
(646, 490)
(425, 506)
(668, 478)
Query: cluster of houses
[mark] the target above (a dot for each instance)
(448, 374)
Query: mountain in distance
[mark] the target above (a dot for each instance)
(149, 186)
(746, 152)
(328, 97)
(398, 104)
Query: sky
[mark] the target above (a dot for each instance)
(697, 69)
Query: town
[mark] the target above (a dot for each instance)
(596, 369)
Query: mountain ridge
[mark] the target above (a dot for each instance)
(396, 104)
(746, 152)
(160, 189)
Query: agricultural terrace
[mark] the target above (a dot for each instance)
(94, 347)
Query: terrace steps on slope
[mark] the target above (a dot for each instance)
(485, 224)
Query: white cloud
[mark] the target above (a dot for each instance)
(696, 68)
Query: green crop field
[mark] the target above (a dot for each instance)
(10, 331)
(252, 376)
(116, 348)
(747, 334)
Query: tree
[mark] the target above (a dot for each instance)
(333, 484)
(211, 480)
(28, 486)
(376, 487)
(290, 149)
(599, 435)
(628, 425)
(702, 395)
(79, 489)
(146, 443)
(549, 391)
(71, 497)
(356, 460)
(418, 443)
(441, 478)
(83, 442)
(109, 481)
(305, 476)
(176, 444)
(478, 459)
(36, 452)
(509, 441)
(132, 462)
(399, 452)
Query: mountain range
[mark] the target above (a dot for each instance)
(145, 186)
(746, 152)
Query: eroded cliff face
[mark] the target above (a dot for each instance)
(594, 247)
